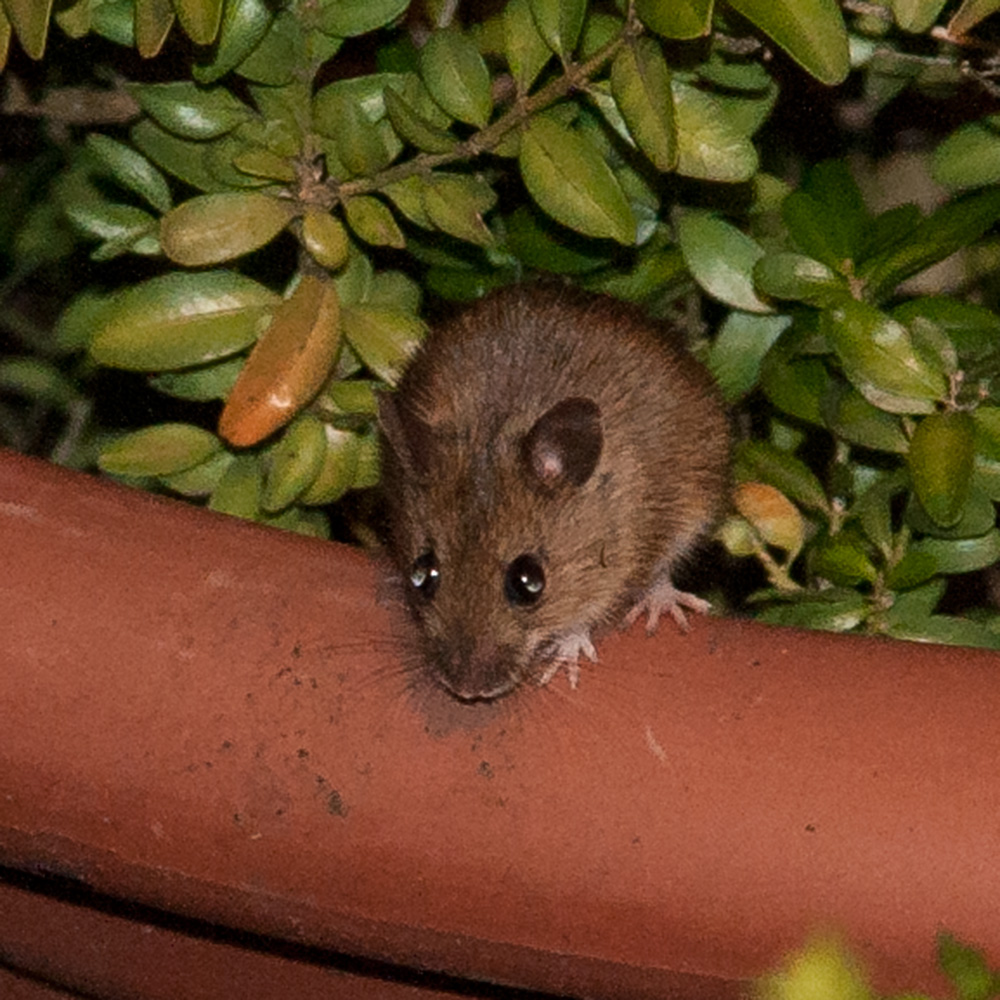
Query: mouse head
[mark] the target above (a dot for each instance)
(498, 535)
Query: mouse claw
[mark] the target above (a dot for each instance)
(566, 655)
(664, 596)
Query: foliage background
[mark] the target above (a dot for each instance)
(225, 223)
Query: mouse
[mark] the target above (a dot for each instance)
(549, 457)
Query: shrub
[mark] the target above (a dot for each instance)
(256, 214)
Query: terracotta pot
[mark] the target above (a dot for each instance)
(216, 721)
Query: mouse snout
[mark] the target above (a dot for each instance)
(474, 668)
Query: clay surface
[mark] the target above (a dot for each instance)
(212, 718)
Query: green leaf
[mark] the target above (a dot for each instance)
(373, 222)
(794, 276)
(395, 290)
(38, 380)
(832, 611)
(363, 98)
(969, 157)
(640, 82)
(966, 967)
(280, 54)
(559, 23)
(916, 567)
(917, 604)
(153, 21)
(131, 170)
(960, 555)
(721, 258)
(739, 348)
(987, 477)
(354, 280)
(384, 339)
(293, 463)
(467, 284)
(114, 20)
(30, 19)
(414, 128)
(325, 238)
(888, 230)
(655, 270)
(819, 230)
(832, 184)
(265, 164)
(455, 74)
(311, 523)
(568, 178)
(538, 243)
(74, 18)
(987, 419)
(200, 480)
(709, 144)
(977, 516)
(973, 329)
(879, 358)
(849, 415)
(526, 50)
(812, 32)
(121, 227)
(282, 126)
(796, 386)
(339, 468)
(244, 24)
(873, 509)
(368, 469)
(456, 203)
(762, 462)
(181, 320)
(676, 18)
(952, 227)
(408, 196)
(842, 559)
(202, 384)
(946, 630)
(747, 112)
(916, 15)
(200, 19)
(357, 140)
(350, 397)
(211, 228)
(347, 18)
(159, 450)
(180, 157)
(941, 461)
(80, 319)
(238, 492)
(190, 111)
(734, 74)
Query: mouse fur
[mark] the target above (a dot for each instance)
(548, 458)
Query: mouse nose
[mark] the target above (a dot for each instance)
(477, 669)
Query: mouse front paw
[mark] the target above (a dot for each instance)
(664, 596)
(565, 653)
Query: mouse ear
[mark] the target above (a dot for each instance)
(399, 433)
(565, 443)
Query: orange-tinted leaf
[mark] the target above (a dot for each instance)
(288, 366)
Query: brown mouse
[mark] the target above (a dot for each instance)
(549, 457)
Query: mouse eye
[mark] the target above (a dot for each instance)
(524, 581)
(425, 575)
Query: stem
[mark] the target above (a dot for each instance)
(574, 77)
(776, 573)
